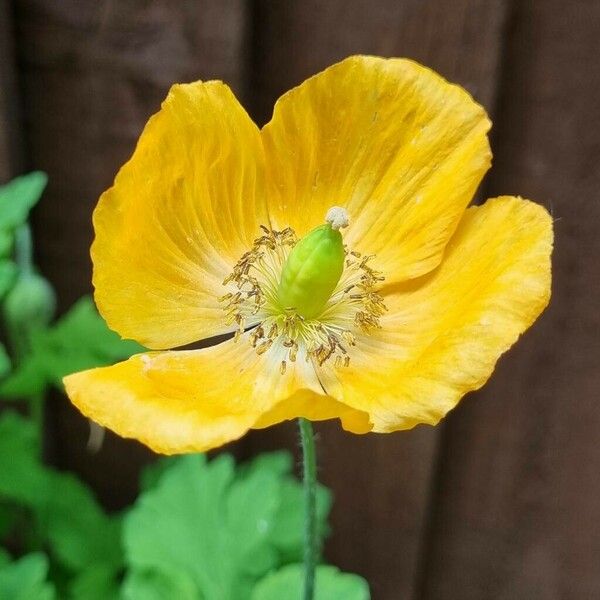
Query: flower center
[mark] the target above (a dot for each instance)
(310, 297)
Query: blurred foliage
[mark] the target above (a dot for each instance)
(330, 583)
(79, 340)
(199, 530)
(26, 578)
(17, 198)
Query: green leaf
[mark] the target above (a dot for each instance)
(22, 479)
(83, 327)
(287, 533)
(80, 533)
(8, 274)
(232, 526)
(18, 197)
(6, 243)
(280, 463)
(25, 579)
(288, 529)
(67, 516)
(5, 364)
(152, 473)
(80, 340)
(158, 585)
(330, 584)
(8, 517)
(221, 525)
(96, 582)
(4, 557)
(27, 380)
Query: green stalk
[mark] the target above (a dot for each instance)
(19, 333)
(24, 249)
(36, 414)
(311, 543)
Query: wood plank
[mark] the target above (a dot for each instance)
(381, 483)
(10, 134)
(519, 516)
(92, 73)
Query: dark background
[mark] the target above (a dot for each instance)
(503, 500)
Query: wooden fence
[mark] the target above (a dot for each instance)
(503, 500)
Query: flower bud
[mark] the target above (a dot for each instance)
(29, 305)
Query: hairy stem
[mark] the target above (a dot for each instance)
(311, 543)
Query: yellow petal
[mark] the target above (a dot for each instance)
(189, 401)
(180, 214)
(445, 331)
(391, 141)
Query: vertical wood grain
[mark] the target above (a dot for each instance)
(92, 73)
(381, 483)
(10, 135)
(518, 511)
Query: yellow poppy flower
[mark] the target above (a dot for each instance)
(210, 229)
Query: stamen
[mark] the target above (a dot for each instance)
(264, 347)
(354, 307)
(293, 352)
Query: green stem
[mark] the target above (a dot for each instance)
(36, 413)
(24, 248)
(311, 542)
(20, 334)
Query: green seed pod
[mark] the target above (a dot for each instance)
(29, 306)
(312, 271)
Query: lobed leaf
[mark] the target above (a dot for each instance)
(66, 515)
(96, 582)
(8, 274)
(229, 525)
(25, 579)
(158, 585)
(18, 197)
(330, 584)
(79, 340)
